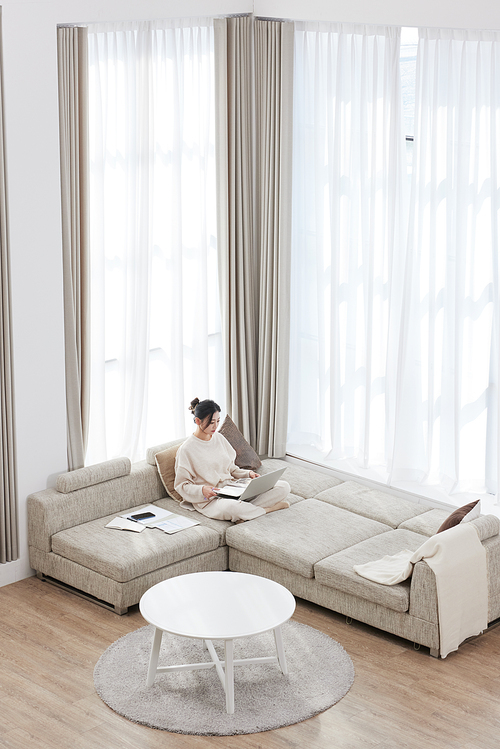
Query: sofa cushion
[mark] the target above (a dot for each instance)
(371, 503)
(337, 570)
(220, 526)
(294, 498)
(291, 538)
(122, 555)
(304, 482)
(427, 523)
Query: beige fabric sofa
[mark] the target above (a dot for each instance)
(310, 548)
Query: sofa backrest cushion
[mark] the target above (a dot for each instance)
(92, 475)
(371, 503)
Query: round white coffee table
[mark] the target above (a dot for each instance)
(217, 606)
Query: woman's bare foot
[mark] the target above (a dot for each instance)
(279, 506)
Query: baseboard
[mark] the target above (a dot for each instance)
(12, 572)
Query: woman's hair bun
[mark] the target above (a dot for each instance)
(204, 410)
(193, 404)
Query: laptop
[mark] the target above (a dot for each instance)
(246, 489)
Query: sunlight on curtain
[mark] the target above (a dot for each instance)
(155, 321)
(448, 412)
(347, 231)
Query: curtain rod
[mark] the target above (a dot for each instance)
(231, 15)
(278, 20)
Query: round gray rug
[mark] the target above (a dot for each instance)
(193, 702)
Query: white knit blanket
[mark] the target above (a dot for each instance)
(458, 559)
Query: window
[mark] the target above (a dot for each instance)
(394, 365)
(155, 327)
(408, 63)
(448, 421)
(347, 226)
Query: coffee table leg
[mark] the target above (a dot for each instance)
(153, 658)
(280, 650)
(229, 671)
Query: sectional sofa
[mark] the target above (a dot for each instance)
(310, 548)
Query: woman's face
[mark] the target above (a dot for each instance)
(211, 425)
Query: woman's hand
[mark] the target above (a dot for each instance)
(254, 475)
(208, 492)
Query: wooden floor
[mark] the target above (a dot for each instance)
(50, 641)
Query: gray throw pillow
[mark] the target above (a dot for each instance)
(246, 457)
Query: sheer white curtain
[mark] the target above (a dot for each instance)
(154, 301)
(448, 397)
(347, 233)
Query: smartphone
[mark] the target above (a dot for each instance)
(143, 515)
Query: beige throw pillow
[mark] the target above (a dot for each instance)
(246, 457)
(165, 461)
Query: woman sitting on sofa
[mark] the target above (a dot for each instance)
(205, 461)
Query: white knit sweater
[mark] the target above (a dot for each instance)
(199, 462)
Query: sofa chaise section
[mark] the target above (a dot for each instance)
(69, 541)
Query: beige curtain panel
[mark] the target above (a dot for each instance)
(274, 102)
(73, 124)
(238, 282)
(9, 537)
(254, 153)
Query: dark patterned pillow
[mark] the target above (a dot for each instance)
(246, 457)
(462, 515)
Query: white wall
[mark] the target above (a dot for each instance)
(31, 123)
(30, 77)
(460, 14)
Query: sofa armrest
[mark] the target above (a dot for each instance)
(492, 546)
(487, 526)
(423, 591)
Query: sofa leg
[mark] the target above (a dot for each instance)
(434, 652)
